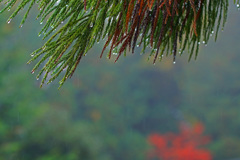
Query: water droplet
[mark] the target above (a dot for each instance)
(137, 45)
(212, 32)
(9, 21)
(37, 78)
(115, 53)
(199, 42)
(203, 42)
(21, 26)
(62, 22)
(32, 55)
(237, 5)
(91, 24)
(174, 62)
(33, 71)
(41, 22)
(39, 35)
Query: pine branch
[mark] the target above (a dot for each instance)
(74, 26)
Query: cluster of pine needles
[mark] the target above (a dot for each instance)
(167, 27)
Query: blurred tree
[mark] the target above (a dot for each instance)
(184, 146)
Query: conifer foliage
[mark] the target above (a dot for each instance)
(74, 26)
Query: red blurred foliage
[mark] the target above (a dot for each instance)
(183, 146)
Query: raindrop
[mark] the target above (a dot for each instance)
(91, 24)
(203, 42)
(41, 22)
(137, 45)
(115, 53)
(212, 32)
(9, 21)
(174, 62)
(37, 78)
(33, 71)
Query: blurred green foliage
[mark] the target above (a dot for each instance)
(106, 111)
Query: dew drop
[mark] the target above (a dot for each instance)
(174, 62)
(33, 71)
